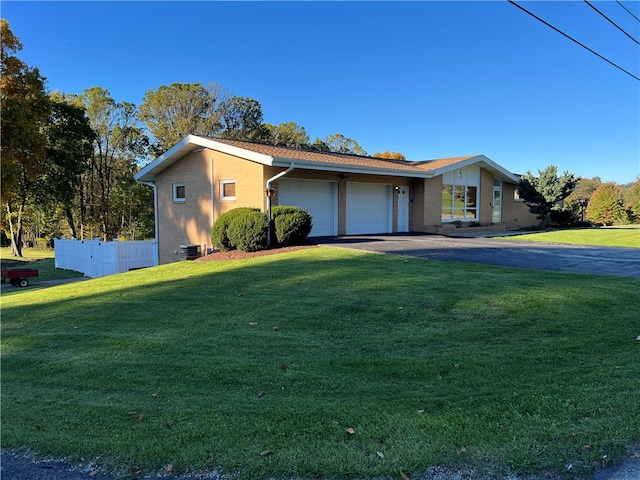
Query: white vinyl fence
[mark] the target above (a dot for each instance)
(95, 258)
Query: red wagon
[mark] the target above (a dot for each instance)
(18, 277)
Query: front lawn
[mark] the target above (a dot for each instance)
(325, 361)
(38, 259)
(618, 236)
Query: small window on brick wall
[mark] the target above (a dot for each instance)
(179, 192)
(227, 189)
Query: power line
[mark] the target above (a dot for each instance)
(573, 39)
(629, 11)
(611, 21)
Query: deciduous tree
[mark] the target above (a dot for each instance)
(180, 109)
(69, 148)
(606, 205)
(338, 143)
(24, 113)
(579, 198)
(632, 200)
(288, 134)
(118, 146)
(243, 120)
(390, 155)
(544, 192)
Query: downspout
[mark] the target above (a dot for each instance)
(156, 254)
(268, 194)
(212, 201)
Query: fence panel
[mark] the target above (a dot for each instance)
(95, 258)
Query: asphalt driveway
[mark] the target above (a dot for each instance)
(495, 251)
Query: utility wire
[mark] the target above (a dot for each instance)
(611, 21)
(629, 11)
(573, 39)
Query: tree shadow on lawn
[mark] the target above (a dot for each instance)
(333, 339)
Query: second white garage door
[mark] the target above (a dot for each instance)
(369, 208)
(319, 198)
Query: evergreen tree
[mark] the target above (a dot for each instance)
(541, 194)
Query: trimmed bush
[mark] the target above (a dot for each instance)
(291, 224)
(219, 235)
(247, 231)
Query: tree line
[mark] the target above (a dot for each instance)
(68, 160)
(566, 200)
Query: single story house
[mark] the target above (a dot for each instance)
(201, 178)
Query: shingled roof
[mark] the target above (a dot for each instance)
(273, 155)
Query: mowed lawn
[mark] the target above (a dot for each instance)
(616, 236)
(38, 259)
(325, 361)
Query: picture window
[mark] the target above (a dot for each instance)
(459, 202)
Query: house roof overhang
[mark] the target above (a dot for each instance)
(192, 143)
(481, 161)
(320, 161)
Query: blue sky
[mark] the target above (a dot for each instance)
(429, 79)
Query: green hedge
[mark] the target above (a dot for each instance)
(291, 225)
(246, 228)
(248, 231)
(219, 235)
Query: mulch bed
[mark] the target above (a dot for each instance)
(239, 255)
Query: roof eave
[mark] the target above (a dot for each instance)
(187, 145)
(345, 168)
(481, 160)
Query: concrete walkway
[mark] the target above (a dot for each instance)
(501, 252)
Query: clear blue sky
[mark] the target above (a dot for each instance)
(429, 79)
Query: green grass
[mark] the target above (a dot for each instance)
(430, 363)
(39, 259)
(619, 236)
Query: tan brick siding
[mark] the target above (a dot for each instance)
(189, 222)
(342, 181)
(515, 214)
(485, 208)
(432, 203)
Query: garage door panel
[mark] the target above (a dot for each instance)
(369, 208)
(317, 197)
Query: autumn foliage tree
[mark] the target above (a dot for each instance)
(632, 201)
(606, 205)
(24, 113)
(390, 155)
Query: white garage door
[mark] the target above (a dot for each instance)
(369, 208)
(320, 199)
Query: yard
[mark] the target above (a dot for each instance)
(325, 361)
(38, 259)
(616, 236)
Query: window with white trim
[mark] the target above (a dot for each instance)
(179, 192)
(459, 202)
(227, 189)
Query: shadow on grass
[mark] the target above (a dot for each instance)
(426, 361)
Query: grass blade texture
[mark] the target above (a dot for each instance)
(325, 361)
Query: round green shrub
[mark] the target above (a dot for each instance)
(219, 236)
(248, 231)
(291, 225)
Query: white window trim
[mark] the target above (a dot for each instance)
(222, 184)
(465, 219)
(175, 192)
